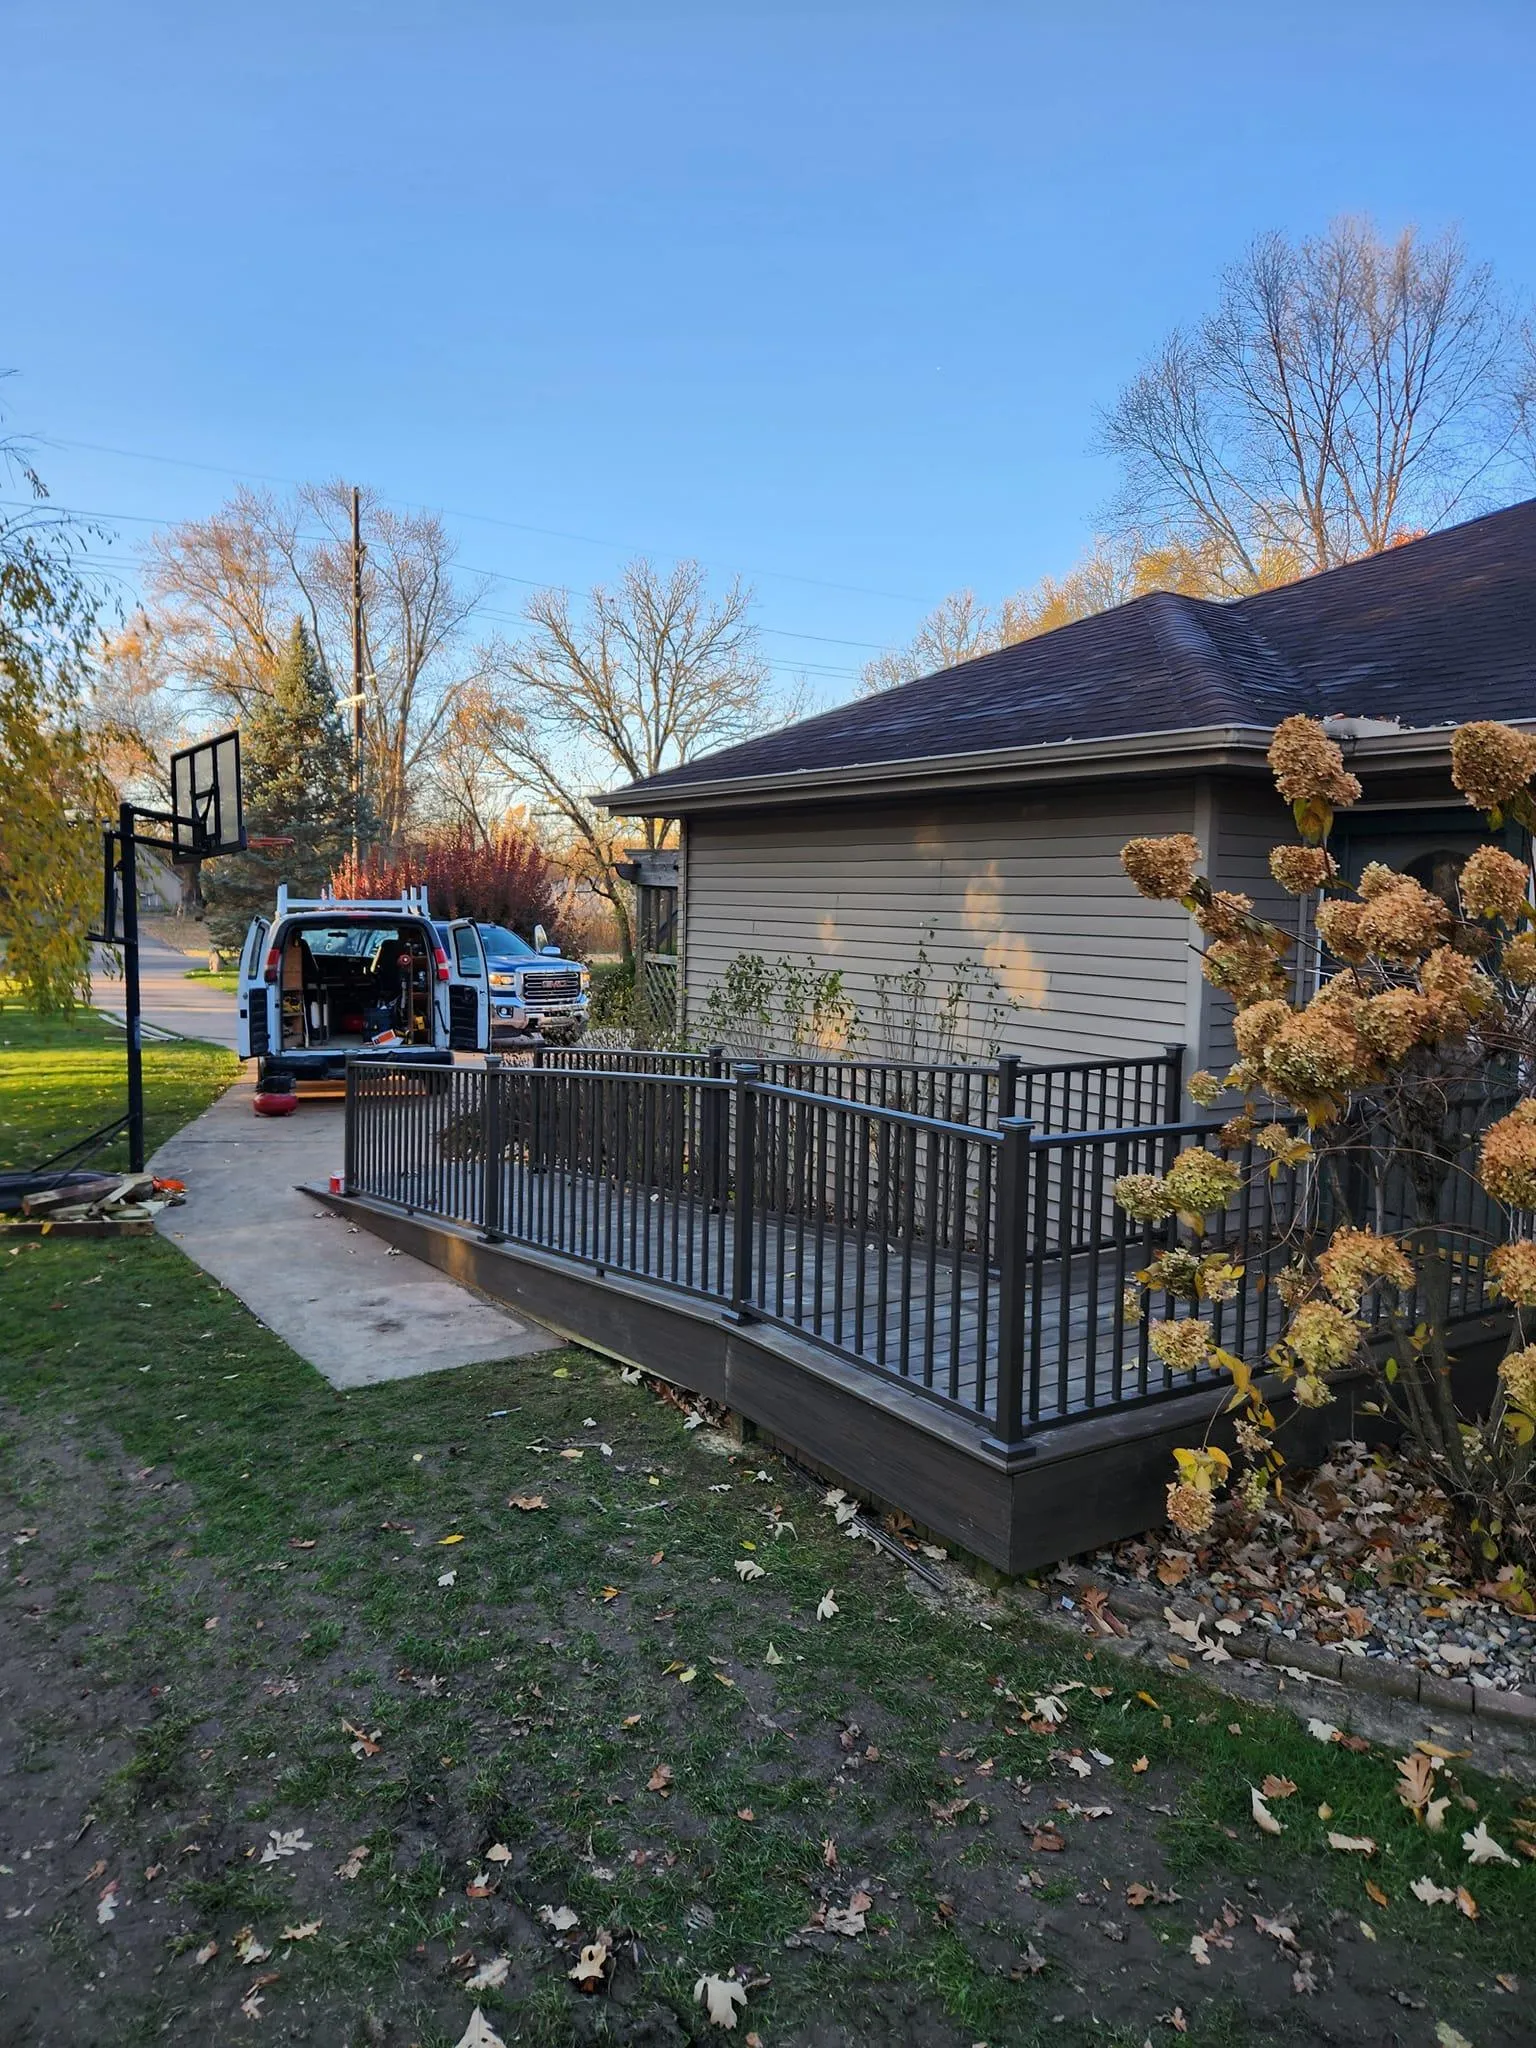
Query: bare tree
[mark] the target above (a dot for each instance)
(1346, 392)
(638, 679)
(228, 587)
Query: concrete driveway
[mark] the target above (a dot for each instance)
(194, 1009)
(358, 1312)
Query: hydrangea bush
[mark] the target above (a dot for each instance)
(1392, 1076)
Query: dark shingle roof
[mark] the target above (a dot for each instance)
(1435, 631)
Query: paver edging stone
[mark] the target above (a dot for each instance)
(1375, 1674)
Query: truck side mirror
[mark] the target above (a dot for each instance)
(540, 939)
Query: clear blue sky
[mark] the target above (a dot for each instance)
(824, 293)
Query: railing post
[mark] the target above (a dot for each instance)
(1007, 1085)
(493, 1177)
(713, 1134)
(1175, 1084)
(744, 1178)
(349, 1175)
(1012, 1292)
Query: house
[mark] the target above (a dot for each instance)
(979, 813)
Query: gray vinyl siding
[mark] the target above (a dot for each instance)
(1030, 889)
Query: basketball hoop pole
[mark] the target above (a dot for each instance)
(129, 871)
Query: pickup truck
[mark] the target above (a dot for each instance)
(535, 991)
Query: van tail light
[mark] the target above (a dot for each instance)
(442, 962)
(274, 962)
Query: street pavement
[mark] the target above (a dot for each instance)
(358, 1312)
(193, 1009)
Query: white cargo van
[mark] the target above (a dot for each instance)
(325, 981)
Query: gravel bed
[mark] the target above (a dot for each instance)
(1356, 1556)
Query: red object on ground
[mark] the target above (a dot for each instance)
(268, 1104)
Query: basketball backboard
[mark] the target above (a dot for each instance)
(207, 816)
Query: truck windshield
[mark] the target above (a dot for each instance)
(501, 944)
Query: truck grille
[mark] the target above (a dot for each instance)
(560, 985)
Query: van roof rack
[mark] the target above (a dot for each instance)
(411, 902)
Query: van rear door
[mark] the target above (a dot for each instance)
(469, 990)
(254, 997)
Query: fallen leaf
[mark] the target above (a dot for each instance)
(845, 1920)
(353, 1866)
(498, 1853)
(829, 1851)
(251, 2004)
(1434, 1814)
(447, 1578)
(490, 1976)
(249, 1949)
(721, 1998)
(1374, 1892)
(1428, 1893)
(1415, 1780)
(1140, 1766)
(1030, 1964)
(660, 1779)
(1322, 1731)
(610, 1592)
(1045, 1841)
(444, 1542)
(1277, 1788)
(527, 1502)
(826, 1606)
(559, 1919)
(772, 1656)
(1482, 1848)
(479, 2033)
(1356, 1845)
(301, 1543)
(206, 1953)
(1200, 1949)
(745, 1813)
(747, 1570)
(1465, 1903)
(688, 1674)
(1050, 1708)
(362, 1743)
(591, 1967)
(1262, 1816)
(306, 1930)
(286, 1842)
(106, 1905)
(1278, 1930)
(1176, 2020)
(1446, 2036)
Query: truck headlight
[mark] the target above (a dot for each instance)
(503, 981)
(586, 979)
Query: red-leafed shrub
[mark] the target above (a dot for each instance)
(511, 881)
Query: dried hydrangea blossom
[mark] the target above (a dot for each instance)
(1301, 869)
(1183, 1346)
(1317, 1057)
(1376, 878)
(1322, 1337)
(1490, 762)
(1513, 1272)
(1308, 766)
(1202, 1088)
(1247, 968)
(1227, 914)
(1163, 869)
(1144, 1197)
(1519, 961)
(1190, 1508)
(1494, 884)
(1235, 1132)
(1507, 1165)
(1310, 1391)
(1219, 1278)
(1358, 1259)
(1251, 1438)
(1254, 1489)
(1393, 1023)
(1198, 1182)
(1339, 927)
(1288, 1146)
(1518, 1372)
(1403, 923)
(1130, 1305)
(1174, 1272)
(1253, 1028)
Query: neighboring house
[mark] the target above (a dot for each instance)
(981, 810)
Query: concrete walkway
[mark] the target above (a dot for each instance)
(194, 1009)
(359, 1313)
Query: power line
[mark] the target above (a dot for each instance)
(449, 512)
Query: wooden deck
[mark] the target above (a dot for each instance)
(892, 1310)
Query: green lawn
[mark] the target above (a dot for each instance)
(240, 1603)
(63, 1077)
(225, 977)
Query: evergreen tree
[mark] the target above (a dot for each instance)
(296, 768)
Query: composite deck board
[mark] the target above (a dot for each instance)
(679, 1239)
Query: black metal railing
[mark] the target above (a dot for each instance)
(985, 1267)
(1068, 1095)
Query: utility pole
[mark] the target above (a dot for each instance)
(357, 674)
